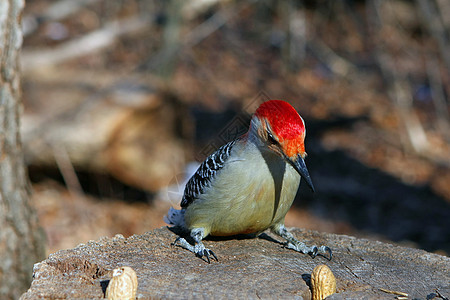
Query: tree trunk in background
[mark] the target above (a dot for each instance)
(21, 239)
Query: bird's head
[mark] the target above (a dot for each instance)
(282, 130)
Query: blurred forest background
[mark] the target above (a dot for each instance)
(122, 99)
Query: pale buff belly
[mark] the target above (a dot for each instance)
(244, 204)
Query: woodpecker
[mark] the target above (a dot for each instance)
(249, 184)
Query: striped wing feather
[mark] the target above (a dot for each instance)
(205, 173)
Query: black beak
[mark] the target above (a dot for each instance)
(300, 166)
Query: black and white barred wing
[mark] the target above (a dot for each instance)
(205, 173)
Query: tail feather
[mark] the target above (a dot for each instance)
(175, 217)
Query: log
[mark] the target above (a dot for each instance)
(253, 268)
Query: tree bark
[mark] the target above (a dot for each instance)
(21, 240)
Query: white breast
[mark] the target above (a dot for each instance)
(252, 192)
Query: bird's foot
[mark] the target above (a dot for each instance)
(294, 244)
(206, 253)
(199, 249)
(313, 251)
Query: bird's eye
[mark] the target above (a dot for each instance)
(271, 138)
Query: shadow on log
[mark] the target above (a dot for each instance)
(254, 268)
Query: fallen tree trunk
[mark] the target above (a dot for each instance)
(258, 268)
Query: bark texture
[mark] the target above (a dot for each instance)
(258, 268)
(21, 239)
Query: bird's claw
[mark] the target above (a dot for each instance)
(206, 253)
(327, 249)
(313, 251)
(321, 251)
(199, 249)
(179, 241)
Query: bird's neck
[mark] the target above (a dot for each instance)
(255, 132)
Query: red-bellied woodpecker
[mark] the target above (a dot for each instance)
(249, 184)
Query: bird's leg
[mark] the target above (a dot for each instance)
(199, 249)
(294, 244)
